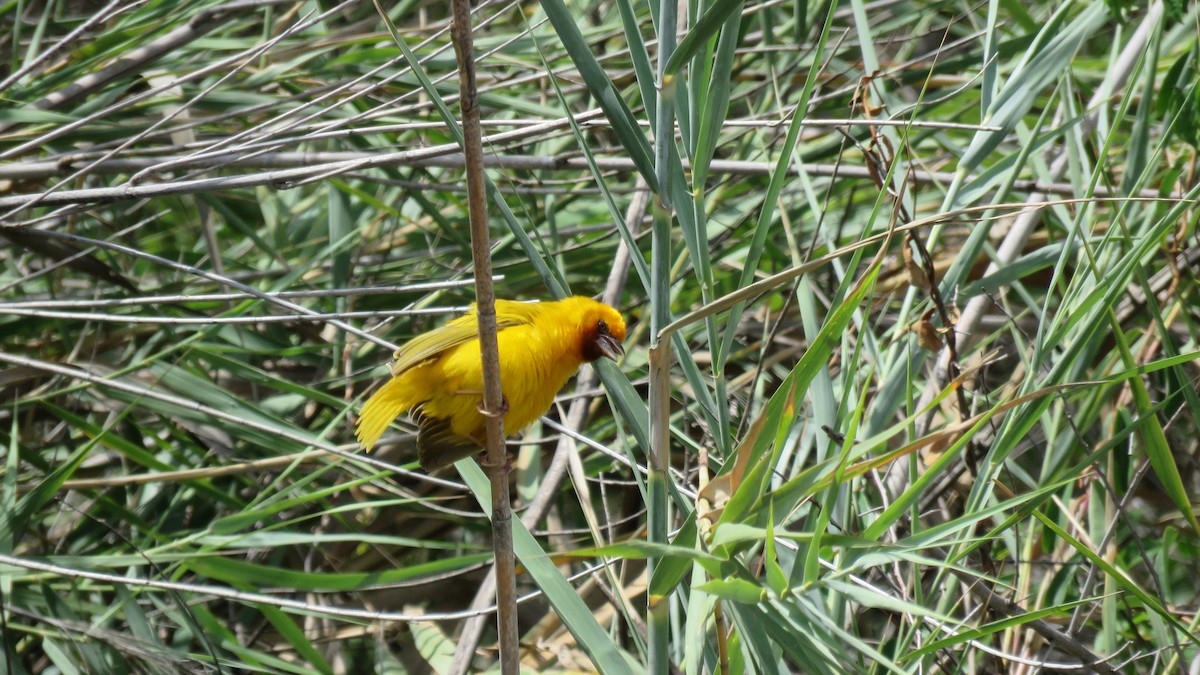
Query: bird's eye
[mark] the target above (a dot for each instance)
(602, 327)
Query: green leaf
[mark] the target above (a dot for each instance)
(576, 616)
(710, 22)
(238, 572)
(736, 590)
(610, 100)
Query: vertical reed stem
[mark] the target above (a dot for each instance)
(485, 299)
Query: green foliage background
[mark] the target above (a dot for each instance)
(221, 216)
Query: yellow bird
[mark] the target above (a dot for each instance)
(439, 375)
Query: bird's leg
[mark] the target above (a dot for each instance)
(507, 466)
(498, 413)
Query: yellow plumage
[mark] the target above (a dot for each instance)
(439, 376)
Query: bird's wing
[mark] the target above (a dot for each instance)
(463, 329)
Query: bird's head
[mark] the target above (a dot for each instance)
(602, 331)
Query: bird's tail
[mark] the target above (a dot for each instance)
(380, 410)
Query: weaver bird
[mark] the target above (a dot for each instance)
(439, 375)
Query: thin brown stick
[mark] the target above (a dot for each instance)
(139, 59)
(289, 169)
(556, 472)
(494, 404)
(184, 475)
(116, 381)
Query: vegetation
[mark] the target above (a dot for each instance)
(911, 382)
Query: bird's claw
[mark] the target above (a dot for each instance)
(497, 413)
(506, 466)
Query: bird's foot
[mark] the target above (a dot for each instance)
(506, 466)
(497, 413)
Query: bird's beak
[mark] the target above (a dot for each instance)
(610, 347)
